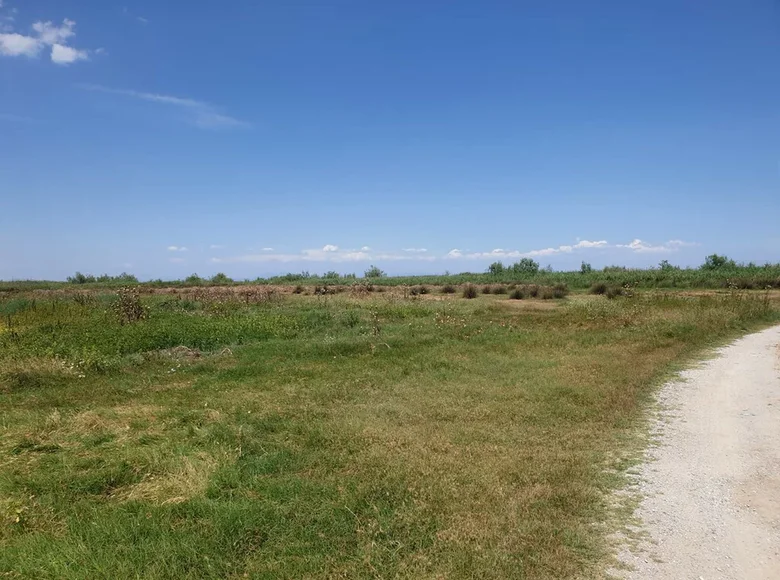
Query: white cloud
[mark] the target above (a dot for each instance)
(61, 54)
(642, 247)
(203, 115)
(588, 244)
(142, 20)
(49, 33)
(332, 253)
(14, 44)
(636, 246)
(177, 249)
(328, 253)
(44, 34)
(216, 247)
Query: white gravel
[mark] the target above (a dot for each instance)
(711, 486)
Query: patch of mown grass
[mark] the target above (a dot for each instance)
(335, 436)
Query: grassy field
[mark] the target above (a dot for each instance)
(248, 433)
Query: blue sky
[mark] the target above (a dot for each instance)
(256, 138)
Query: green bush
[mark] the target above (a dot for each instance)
(501, 289)
(599, 288)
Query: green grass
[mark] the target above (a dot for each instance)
(331, 436)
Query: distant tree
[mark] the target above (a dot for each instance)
(525, 266)
(79, 278)
(126, 278)
(586, 268)
(193, 280)
(666, 266)
(716, 262)
(496, 268)
(331, 275)
(374, 272)
(220, 278)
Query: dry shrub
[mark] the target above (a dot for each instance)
(517, 294)
(560, 290)
(470, 291)
(448, 289)
(599, 288)
(487, 289)
(128, 307)
(361, 289)
(262, 295)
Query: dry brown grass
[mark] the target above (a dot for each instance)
(183, 479)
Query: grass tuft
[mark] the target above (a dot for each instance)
(470, 291)
(517, 294)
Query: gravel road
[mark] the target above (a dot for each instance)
(711, 486)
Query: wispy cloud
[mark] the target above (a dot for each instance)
(636, 245)
(332, 253)
(126, 12)
(216, 247)
(177, 248)
(202, 114)
(328, 253)
(642, 247)
(44, 34)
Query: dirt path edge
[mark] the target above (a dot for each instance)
(709, 488)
